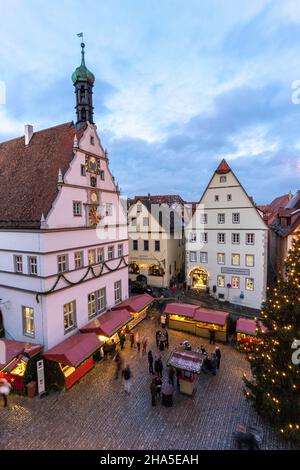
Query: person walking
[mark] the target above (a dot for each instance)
(131, 340)
(160, 367)
(153, 391)
(122, 340)
(144, 346)
(127, 379)
(213, 362)
(156, 365)
(218, 356)
(171, 376)
(138, 341)
(158, 383)
(212, 336)
(157, 336)
(5, 387)
(150, 361)
(118, 360)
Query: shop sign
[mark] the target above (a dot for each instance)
(241, 271)
(40, 376)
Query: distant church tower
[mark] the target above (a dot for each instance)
(83, 81)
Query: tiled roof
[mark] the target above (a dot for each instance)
(168, 199)
(28, 174)
(223, 168)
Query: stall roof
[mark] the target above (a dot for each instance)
(15, 348)
(74, 350)
(108, 323)
(187, 310)
(136, 303)
(248, 326)
(215, 317)
(186, 360)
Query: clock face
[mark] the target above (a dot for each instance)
(94, 198)
(92, 164)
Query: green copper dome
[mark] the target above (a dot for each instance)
(82, 73)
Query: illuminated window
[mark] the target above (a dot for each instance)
(221, 281)
(69, 316)
(28, 321)
(134, 268)
(78, 259)
(235, 259)
(92, 256)
(221, 258)
(249, 283)
(235, 282)
(156, 270)
(249, 260)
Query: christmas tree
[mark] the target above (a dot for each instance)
(275, 361)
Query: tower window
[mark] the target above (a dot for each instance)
(83, 172)
(93, 181)
(92, 140)
(83, 114)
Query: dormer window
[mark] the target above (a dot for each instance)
(216, 197)
(223, 179)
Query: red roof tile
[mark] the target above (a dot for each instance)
(248, 326)
(15, 348)
(108, 323)
(28, 174)
(215, 317)
(223, 168)
(74, 350)
(136, 303)
(186, 310)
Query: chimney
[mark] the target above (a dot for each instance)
(28, 133)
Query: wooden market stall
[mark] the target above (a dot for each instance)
(246, 333)
(20, 363)
(138, 306)
(181, 317)
(188, 365)
(198, 320)
(69, 360)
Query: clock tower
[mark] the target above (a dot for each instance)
(83, 81)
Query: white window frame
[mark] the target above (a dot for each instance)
(203, 257)
(204, 237)
(118, 291)
(233, 236)
(221, 235)
(221, 218)
(239, 259)
(192, 237)
(145, 221)
(32, 266)
(100, 255)
(62, 263)
(251, 279)
(68, 315)
(221, 284)
(108, 209)
(28, 315)
(246, 262)
(193, 256)
(92, 252)
(78, 256)
(234, 214)
(252, 236)
(235, 282)
(77, 208)
(203, 219)
(18, 264)
(111, 252)
(120, 250)
(223, 257)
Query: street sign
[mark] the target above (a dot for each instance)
(40, 376)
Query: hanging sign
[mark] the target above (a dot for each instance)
(40, 376)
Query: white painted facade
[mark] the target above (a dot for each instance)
(63, 233)
(225, 261)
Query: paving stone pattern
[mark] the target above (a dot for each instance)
(97, 414)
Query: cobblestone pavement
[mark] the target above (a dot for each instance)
(97, 414)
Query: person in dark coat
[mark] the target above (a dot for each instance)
(156, 365)
(118, 360)
(212, 336)
(171, 376)
(131, 340)
(150, 361)
(122, 340)
(158, 383)
(167, 339)
(153, 391)
(213, 362)
(160, 367)
(157, 336)
(218, 356)
(202, 349)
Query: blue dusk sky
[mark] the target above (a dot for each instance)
(180, 84)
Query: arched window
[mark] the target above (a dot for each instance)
(83, 114)
(82, 94)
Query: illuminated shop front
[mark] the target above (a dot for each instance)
(198, 320)
(20, 367)
(246, 333)
(199, 278)
(133, 268)
(138, 306)
(71, 359)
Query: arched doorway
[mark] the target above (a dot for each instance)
(199, 278)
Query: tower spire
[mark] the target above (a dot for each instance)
(83, 81)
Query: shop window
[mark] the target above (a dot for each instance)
(155, 270)
(235, 282)
(28, 322)
(221, 281)
(69, 316)
(249, 283)
(134, 268)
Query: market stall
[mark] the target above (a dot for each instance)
(138, 306)
(108, 325)
(246, 333)
(69, 360)
(188, 366)
(181, 317)
(211, 320)
(20, 363)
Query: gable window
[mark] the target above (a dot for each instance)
(146, 245)
(223, 179)
(139, 208)
(102, 175)
(250, 260)
(221, 218)
(235, 238)
(77, 212)
(70, 316)
(111, 252)
(93, 181)
(192, 237)
(100, 255)
(78, 259)
(82, 170)
(235, 282)
(92, 140)
(193, 256)
(135, 245)
(120, 250)
(203, 257)
(249, 283)
(145, 221)
(221, 237)
(28, 322)
(108, 209)
(18, 261)
(133, 221)
(216, 197)
(118, 291)
(229, 197)
(236, 218)
(157, 245)
(235, 259)
(62, 263)
(221, 281)
(32, 265)
(250, 238)
(221, 258)
(92, 256)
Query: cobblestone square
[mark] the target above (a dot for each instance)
(97, 414)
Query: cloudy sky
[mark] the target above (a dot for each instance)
(180, 84)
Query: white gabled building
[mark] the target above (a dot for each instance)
(226, 243)
(58, 270)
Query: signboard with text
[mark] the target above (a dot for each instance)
(237, 271)
(40, 376)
